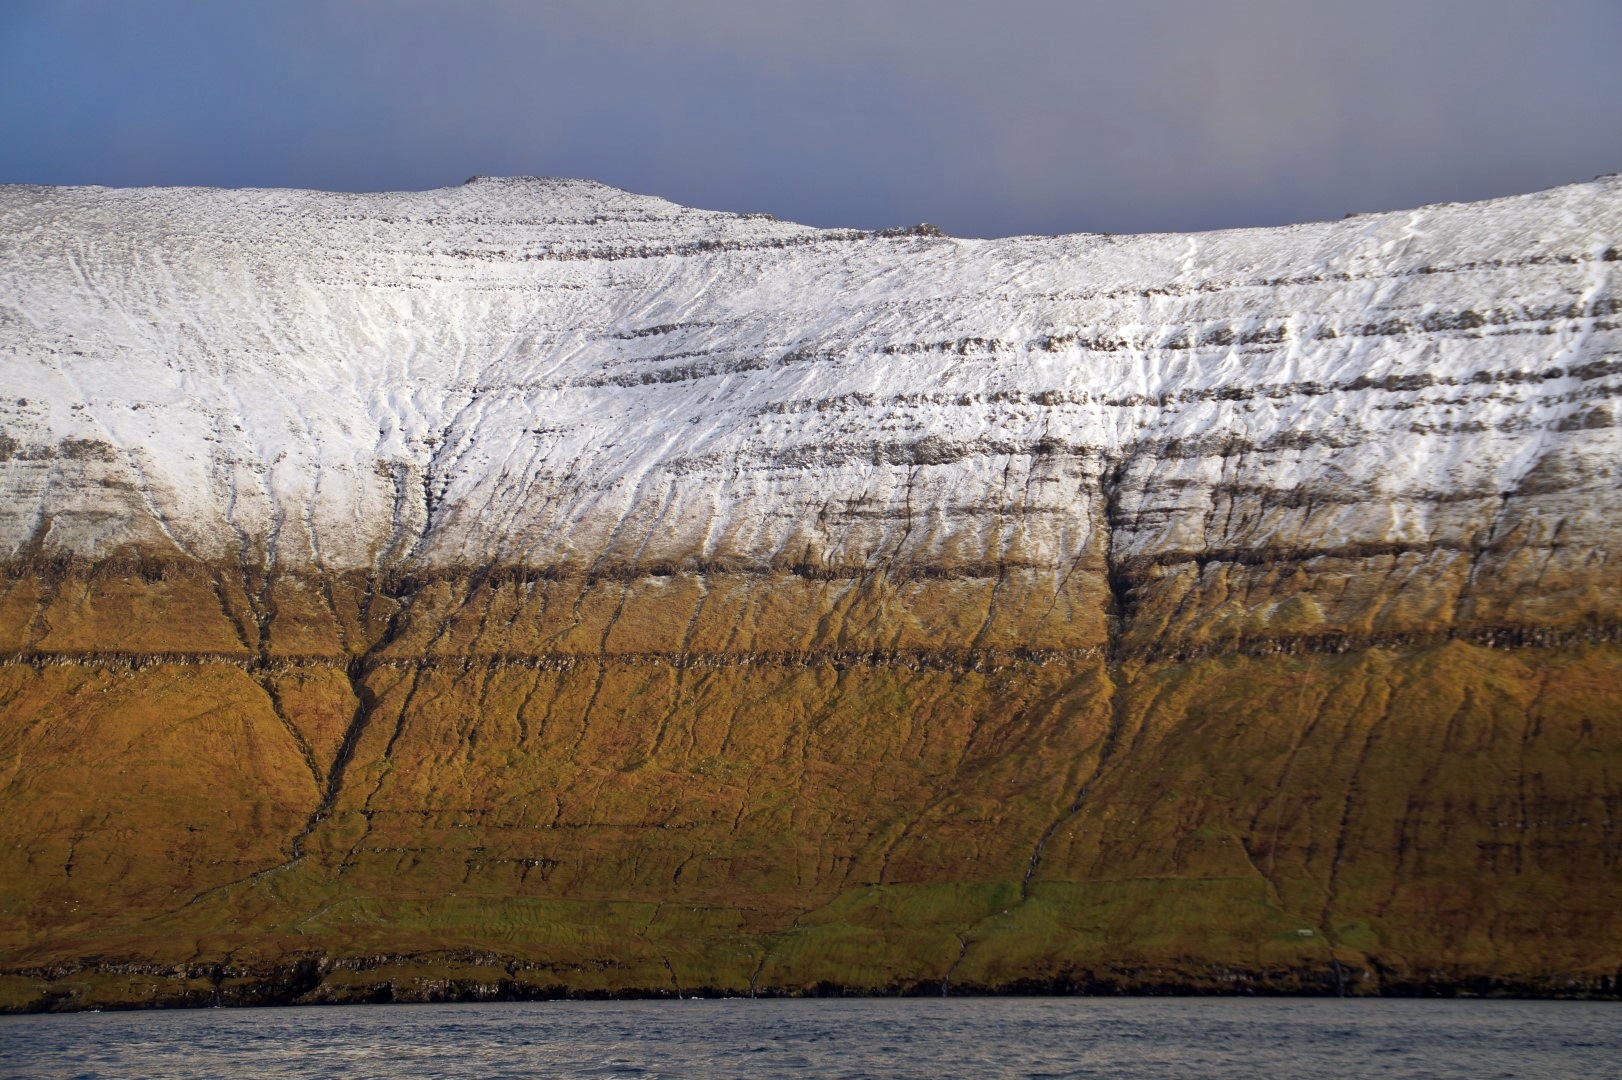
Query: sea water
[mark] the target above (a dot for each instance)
(971, 1037)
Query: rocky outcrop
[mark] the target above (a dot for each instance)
(530, 588)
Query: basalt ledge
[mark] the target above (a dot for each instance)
(531, 588)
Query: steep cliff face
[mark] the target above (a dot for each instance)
(533, 586)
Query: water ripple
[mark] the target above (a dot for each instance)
(1046, 1038)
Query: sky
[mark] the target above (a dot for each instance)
(985, 118)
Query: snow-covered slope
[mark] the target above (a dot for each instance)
(555, 373)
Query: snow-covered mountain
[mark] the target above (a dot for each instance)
(529, 588)
(558, 374)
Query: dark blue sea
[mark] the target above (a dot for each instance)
(999, 1037)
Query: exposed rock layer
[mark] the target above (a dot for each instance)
(532, 587)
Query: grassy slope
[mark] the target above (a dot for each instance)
(502, 798)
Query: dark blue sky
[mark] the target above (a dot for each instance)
(985, 118)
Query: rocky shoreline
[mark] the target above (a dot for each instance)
(310, 982)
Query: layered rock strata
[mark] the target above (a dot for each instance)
(530, 588)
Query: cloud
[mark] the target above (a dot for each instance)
(1028, 115)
